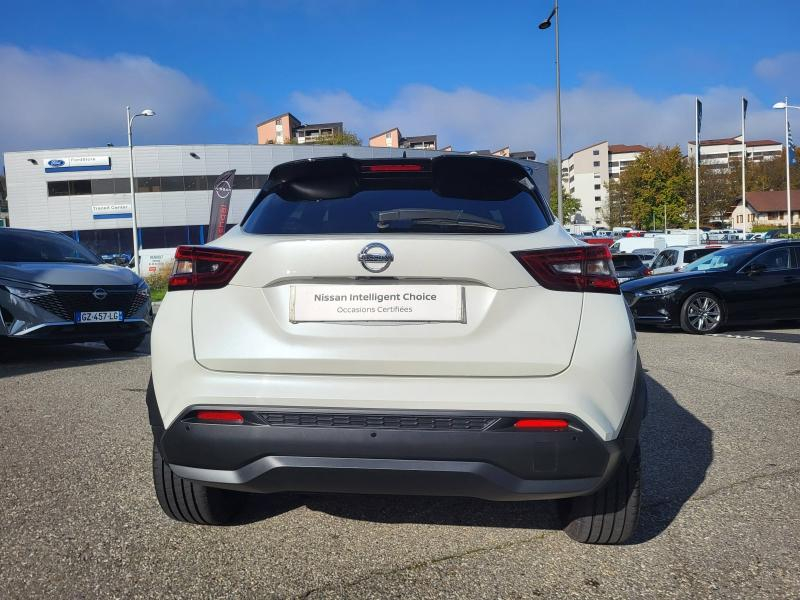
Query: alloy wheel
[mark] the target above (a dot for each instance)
(704, 313)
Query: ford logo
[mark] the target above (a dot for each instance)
(55, 163)
(99, 294)
(375, 257)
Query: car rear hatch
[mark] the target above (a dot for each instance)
(349, 271)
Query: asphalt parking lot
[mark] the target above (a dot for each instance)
(721, 507)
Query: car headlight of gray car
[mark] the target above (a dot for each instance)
(27, 292)
(662, 290)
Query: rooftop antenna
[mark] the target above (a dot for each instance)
(404, 153)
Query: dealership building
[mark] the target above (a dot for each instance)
(85, 192)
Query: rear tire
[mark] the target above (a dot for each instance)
(124, 344)
(610, 515)
(702, 313)
(191, 502)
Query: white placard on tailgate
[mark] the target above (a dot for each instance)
(341, 303)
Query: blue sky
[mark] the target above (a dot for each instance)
(479, 74)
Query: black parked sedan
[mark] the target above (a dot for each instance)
(751, 282)
(52, 289)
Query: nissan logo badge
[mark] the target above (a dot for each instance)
(375, 257)
(224, 189)
(99, 294)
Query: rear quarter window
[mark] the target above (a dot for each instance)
(692, 255)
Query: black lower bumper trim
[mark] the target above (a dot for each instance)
(496, 463)
(387, 476)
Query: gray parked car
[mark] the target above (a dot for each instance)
(53, 289)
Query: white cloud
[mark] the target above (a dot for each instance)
(780, 68)
(594, 111)
(51, 99)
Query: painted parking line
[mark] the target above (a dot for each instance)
(764, 336)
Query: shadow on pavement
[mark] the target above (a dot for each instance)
(21, 358)
(676, 451)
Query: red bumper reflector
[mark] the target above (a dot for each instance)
(546, 424)
(393, 168)
(220, 416)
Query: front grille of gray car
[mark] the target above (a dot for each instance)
(372, 421)
(52, 304)
(136, 304)
(82, 300)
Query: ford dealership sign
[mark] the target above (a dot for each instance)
(78, 163)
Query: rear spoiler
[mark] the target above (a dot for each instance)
(464, 176)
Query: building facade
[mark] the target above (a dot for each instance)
(725, 152)
(585, 174)
(286, 128)
(765, 208)
(392, 138)
(85, 192)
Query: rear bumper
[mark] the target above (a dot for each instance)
(395, 452)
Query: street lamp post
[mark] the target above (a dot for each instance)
(145, 113)
(546, 25)
(785, 106)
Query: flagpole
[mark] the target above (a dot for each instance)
(744, 163)
(697, 166)
(788, 176)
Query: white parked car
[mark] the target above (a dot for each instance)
(674, 258)
(398, 326)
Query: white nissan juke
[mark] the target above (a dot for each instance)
(398, 326)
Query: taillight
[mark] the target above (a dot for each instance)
(577, 269)
(220, 416)
(200, 268)
(648, 271)
(542, 424)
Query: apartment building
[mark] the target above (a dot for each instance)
(392, 138)
(585, 174)
(286, 127)
(722, 152)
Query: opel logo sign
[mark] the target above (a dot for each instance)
(375, 257)
(99, 294)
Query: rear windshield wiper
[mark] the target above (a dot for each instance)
(456, 218)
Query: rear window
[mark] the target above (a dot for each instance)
(396, 211)
(689, 256)
(442, 195)
(626, 262)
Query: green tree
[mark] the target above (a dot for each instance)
(343, 138)
(569, 203)
(658, 179)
